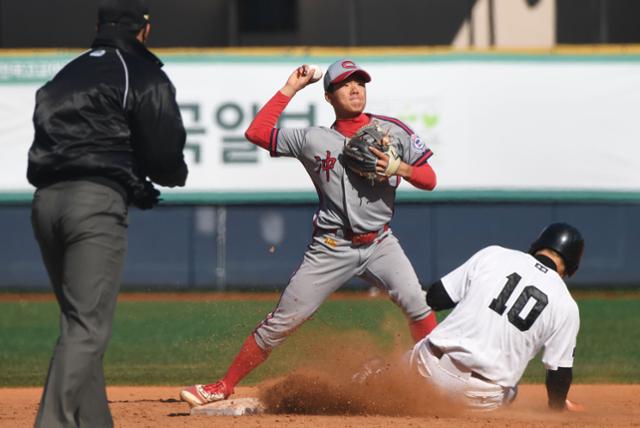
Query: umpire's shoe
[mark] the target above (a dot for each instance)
(198, 395)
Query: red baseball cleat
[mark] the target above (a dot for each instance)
(198, 395)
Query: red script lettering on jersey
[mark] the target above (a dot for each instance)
(325, 165)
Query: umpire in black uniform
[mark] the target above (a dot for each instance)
(106, 127)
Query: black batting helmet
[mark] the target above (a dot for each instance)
(565, 240)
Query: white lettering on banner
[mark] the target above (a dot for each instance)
(18, 71)
(502, 125)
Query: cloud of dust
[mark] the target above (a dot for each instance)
(324, 384)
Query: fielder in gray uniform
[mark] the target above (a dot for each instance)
(351, 227)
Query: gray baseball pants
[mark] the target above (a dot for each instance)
(81, 229)
(330, 262)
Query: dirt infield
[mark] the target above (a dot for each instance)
(157, 407)
(296, 402)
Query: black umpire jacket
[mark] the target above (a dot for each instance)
(110, 116)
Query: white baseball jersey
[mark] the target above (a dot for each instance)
(509, 306)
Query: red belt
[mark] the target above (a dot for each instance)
(357, 238)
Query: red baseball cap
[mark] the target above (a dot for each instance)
(342, 69)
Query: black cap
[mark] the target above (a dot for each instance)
(134, 12)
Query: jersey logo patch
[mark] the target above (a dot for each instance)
(325, 165)
(330, 242)
(417, 143)
(348, 65)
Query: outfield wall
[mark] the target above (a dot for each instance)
(259, 246)
(520, 139)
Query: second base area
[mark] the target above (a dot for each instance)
(233, 407)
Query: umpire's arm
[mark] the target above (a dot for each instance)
(159, 135)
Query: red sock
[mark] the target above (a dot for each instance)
(420, 329)
(248, 358)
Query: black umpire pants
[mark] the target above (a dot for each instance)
(81, 229)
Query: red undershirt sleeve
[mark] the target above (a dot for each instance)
(259, 131)
(423, 177)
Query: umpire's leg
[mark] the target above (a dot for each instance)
(86, 223)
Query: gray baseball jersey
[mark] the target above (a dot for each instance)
(346, 199)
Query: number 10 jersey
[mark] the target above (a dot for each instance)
(509, 307)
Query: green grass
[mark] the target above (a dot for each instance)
(179, 343)
(608, 349)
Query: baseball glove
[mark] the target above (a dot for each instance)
(359, 159)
